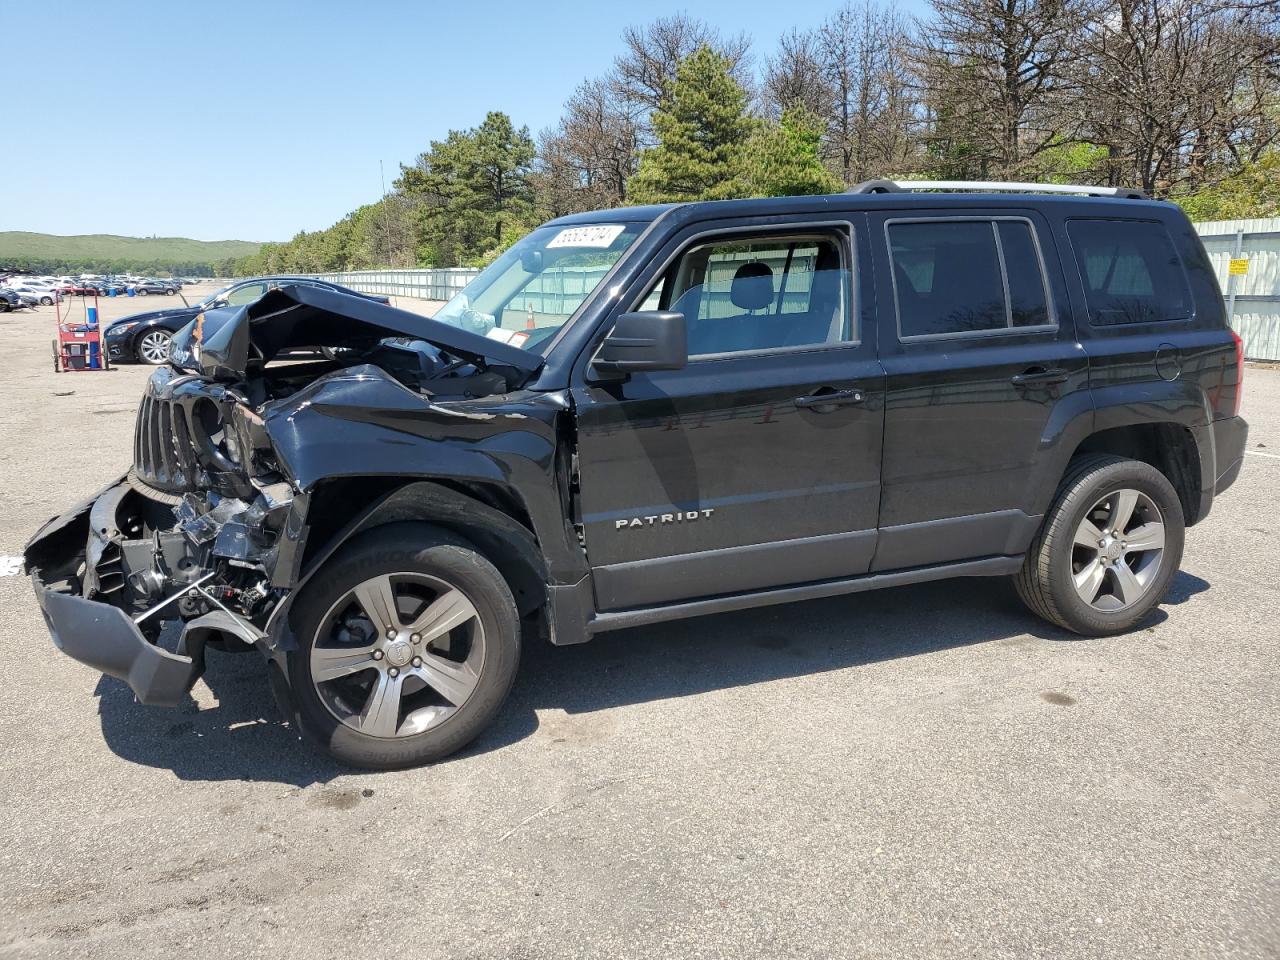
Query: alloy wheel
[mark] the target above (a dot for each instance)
(154, 347)
(1117, 550)
(398, 654)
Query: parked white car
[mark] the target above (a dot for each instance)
(46, 295)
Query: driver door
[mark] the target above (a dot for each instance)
(732, 474)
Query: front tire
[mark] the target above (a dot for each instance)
(46, 301)
(153, 347)
(1108, 548)
(408, 644)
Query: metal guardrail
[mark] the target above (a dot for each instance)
(440, 284)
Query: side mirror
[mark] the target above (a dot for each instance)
(648, 340)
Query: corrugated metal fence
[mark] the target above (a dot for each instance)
(1253, 298)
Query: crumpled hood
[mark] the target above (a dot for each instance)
(219, 343)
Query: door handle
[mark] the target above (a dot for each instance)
(1039, 376)
(822, 402)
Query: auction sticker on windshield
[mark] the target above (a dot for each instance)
(597, 235)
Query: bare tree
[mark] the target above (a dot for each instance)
(1182, 89)
(870, 106)
(999, 76)
(794, 76)
(642, 75)
(585, 162)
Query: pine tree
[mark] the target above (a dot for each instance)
(783, 160)
(702, 135)
(474, 192)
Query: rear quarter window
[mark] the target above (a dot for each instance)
(1130, 271)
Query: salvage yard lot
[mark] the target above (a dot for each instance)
(925, 771)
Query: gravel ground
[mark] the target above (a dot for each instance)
(926, 771)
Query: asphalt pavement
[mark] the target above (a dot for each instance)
(921, 772)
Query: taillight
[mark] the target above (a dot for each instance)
(1239, 372)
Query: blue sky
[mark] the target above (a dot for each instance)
(251, 121)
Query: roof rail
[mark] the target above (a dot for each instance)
(995, 186)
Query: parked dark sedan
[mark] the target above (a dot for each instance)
(144, 337)
(9, 300)
(144, 287)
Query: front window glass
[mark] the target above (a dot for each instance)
(765, 293)
(529, 292)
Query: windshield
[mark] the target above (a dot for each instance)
(213, 297)
(528, 293)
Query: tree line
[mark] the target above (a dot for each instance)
(110, 266)
(1180, 98)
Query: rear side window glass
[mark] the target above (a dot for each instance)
(1027, 300)
(957, 277)
(1130, 271)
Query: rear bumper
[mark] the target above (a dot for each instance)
(1229, 438)
(99, 634)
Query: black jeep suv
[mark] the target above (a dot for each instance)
(644, 414)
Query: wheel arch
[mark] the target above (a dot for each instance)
(484, 514)
(1171, 447)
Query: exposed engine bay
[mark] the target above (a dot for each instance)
(215, 485)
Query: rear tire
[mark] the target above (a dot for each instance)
(445, 695)
(1108, 548)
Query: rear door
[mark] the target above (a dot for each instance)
(981, 362)
(758, 464)
(1153, 310)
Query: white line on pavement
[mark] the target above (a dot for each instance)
(10, 566)
(1269, 456)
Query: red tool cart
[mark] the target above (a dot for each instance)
(79, 345)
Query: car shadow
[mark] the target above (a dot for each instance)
(244, 737)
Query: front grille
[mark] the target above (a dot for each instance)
(163, 454)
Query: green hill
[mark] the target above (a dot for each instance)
(105, 252)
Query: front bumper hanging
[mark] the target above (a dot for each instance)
(104, 637)
(101, 634)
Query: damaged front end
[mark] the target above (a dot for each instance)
(110, 574)
(201, 542)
